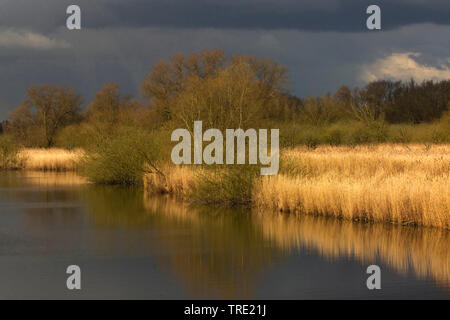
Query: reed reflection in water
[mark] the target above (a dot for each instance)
(215, 253)
(423, 250)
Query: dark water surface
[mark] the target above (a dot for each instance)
(130, 246)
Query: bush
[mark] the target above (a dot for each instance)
(9, 153)
(445, 126)
(358, 134)
(226, 185)
(400, 133)
(334, 136)
(74, 136)
(439, 135)
(378, 131)
(120, 158)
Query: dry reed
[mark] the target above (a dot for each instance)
(177, 180)
(50, 159)
(401, 184)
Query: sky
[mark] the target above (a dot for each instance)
(324, 43)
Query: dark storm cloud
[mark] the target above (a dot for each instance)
(121, 40)
(336, 15)
(311, 15)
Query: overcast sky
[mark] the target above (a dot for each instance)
(324, 43)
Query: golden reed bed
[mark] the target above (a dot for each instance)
(406, 184)
(50, 159)
(382, 183)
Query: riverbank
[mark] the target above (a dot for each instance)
(402, 184)
(397, 183)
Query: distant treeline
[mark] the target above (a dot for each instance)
(224, 92)
(403, 102)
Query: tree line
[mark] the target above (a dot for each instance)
(240, 91)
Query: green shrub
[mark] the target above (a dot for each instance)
(400, 133)
(120, 157)
(359, 134)
(311, 141)
(9, 153)
(445, 126)
(378, 131)
(334, 136)
(226, 185)
(439, 135)
(74, 136)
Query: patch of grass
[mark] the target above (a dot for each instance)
(405, 184)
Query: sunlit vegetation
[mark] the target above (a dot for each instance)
(121, 158)
(338, 156)
(405, 184)
(228, 186)
(235, 92)
(9, 154)
(53, 159)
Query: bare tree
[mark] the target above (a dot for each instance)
(220, 91)
(48, 108)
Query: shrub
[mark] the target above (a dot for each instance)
(401, 134)
(359, 134)
(74, 136)
(9, 153)
(378, 131)
(438, 135)
(229, 186)
(120, 158)
(445, 126)
(334, 136)
(311, 141)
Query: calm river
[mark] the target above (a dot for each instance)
(130, 246)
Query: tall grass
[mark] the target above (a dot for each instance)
(51, 159)
(406, 184)
(399, 183)
(177, 180)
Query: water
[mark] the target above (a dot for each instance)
(131, 246)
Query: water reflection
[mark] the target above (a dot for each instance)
(423, 250)
(24, 179)
(214, 253)
(222, 253)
